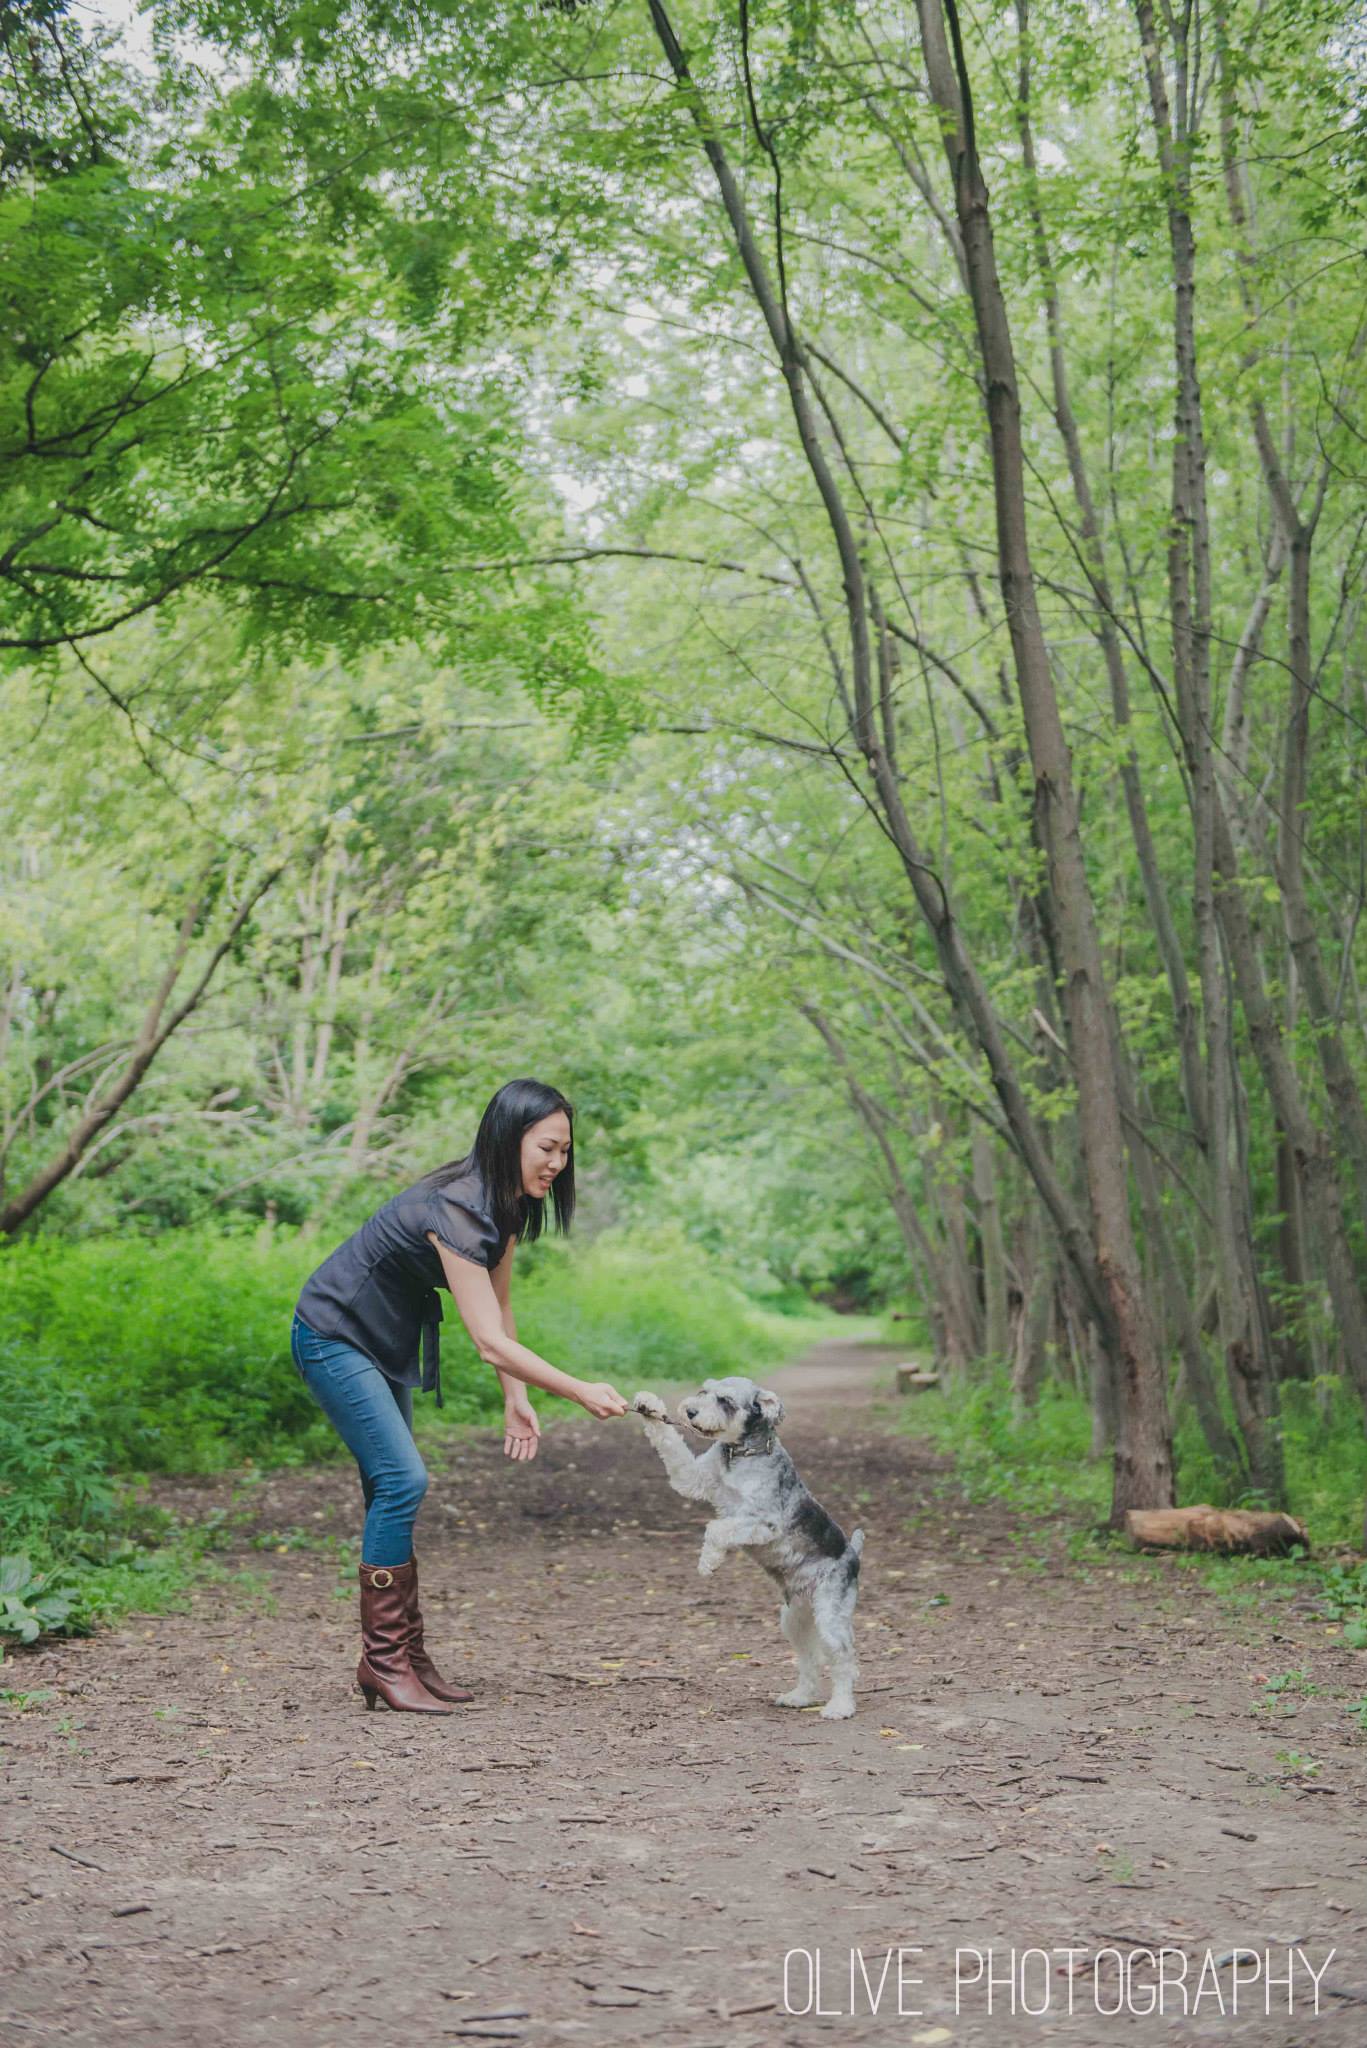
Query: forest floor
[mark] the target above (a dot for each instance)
(209, 1841)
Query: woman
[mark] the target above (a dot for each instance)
(363, 1316)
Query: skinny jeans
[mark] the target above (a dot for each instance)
(373, 1415)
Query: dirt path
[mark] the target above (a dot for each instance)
(622, 1838)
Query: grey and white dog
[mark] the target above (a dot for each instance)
(763, 1507)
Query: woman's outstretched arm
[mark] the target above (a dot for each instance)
(472, 1290)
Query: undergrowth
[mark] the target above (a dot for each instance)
(1042, 1465)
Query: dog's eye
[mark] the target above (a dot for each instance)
(725, 1401)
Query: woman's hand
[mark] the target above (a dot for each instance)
(600, 1399)
(521, 1429)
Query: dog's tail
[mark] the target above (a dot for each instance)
(850, 1555)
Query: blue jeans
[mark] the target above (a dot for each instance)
(374, 1418)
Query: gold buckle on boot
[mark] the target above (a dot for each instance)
(381, 1576)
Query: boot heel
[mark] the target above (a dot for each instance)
(370, 1696)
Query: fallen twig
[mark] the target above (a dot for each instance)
(71, 1857)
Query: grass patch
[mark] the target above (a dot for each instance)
(1042, 1467)
(1039, 1465)
(1324, 1448)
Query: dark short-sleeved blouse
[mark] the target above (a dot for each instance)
(377, 1291)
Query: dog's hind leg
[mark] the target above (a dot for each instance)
(796, 1620)
(833, 1612)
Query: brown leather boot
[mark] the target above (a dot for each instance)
(384, 1669)
(439, 1687)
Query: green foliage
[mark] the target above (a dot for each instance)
(1038, 1464)
(1325, 1456)
(1045, 1459)
(1287, 1686)
(76, 1544)
(176, 1350)
(191, 395)
(173, 1355)
(1343, 1596)
(31, 1603)
(52, 1464)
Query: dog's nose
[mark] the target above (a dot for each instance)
(689, 1410)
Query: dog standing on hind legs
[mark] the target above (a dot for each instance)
(763, 1507)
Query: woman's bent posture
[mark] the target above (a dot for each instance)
(365, 1334)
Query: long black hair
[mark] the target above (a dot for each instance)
(496, 1156)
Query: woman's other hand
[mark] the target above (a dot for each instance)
(601, 1400)
(521, 1430)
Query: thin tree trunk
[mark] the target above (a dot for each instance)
(1029, 1357)
(1244, 1336)
(1196, 1373)
(1309, 1148)
(1094, 557)
(296, 1102)
(1143, 1443)
(957, 1266)
(995, 1342)
(953, 1342)
(1349, 1123)
(1292, 1363)
(1102, 1393)
(333, 938)
(105, 1101)
(1235, 733)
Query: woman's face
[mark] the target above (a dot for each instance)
(545, 1152)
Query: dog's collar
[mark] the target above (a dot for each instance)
(748, 1450)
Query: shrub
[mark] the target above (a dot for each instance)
(52, 1463)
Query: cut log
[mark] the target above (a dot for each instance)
(912, 1378)
(1207, 1528)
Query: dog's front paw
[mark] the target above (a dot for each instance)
(837, 1709)
(651, 1407)
(709, 1562)
(800, 1696)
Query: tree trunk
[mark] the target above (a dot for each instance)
(995, 1343)
(1029, 1358)
(1244, 1335)
(1196, 1373)
(1107, 632)
(1309, 1148)
(1143, 1442)
(1292, 1363)
(107, 1098)
(1207, 1528)
(953, 1345)
(1349, 1122)
(1102, 1390)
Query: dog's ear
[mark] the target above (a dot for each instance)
(769, 1406)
